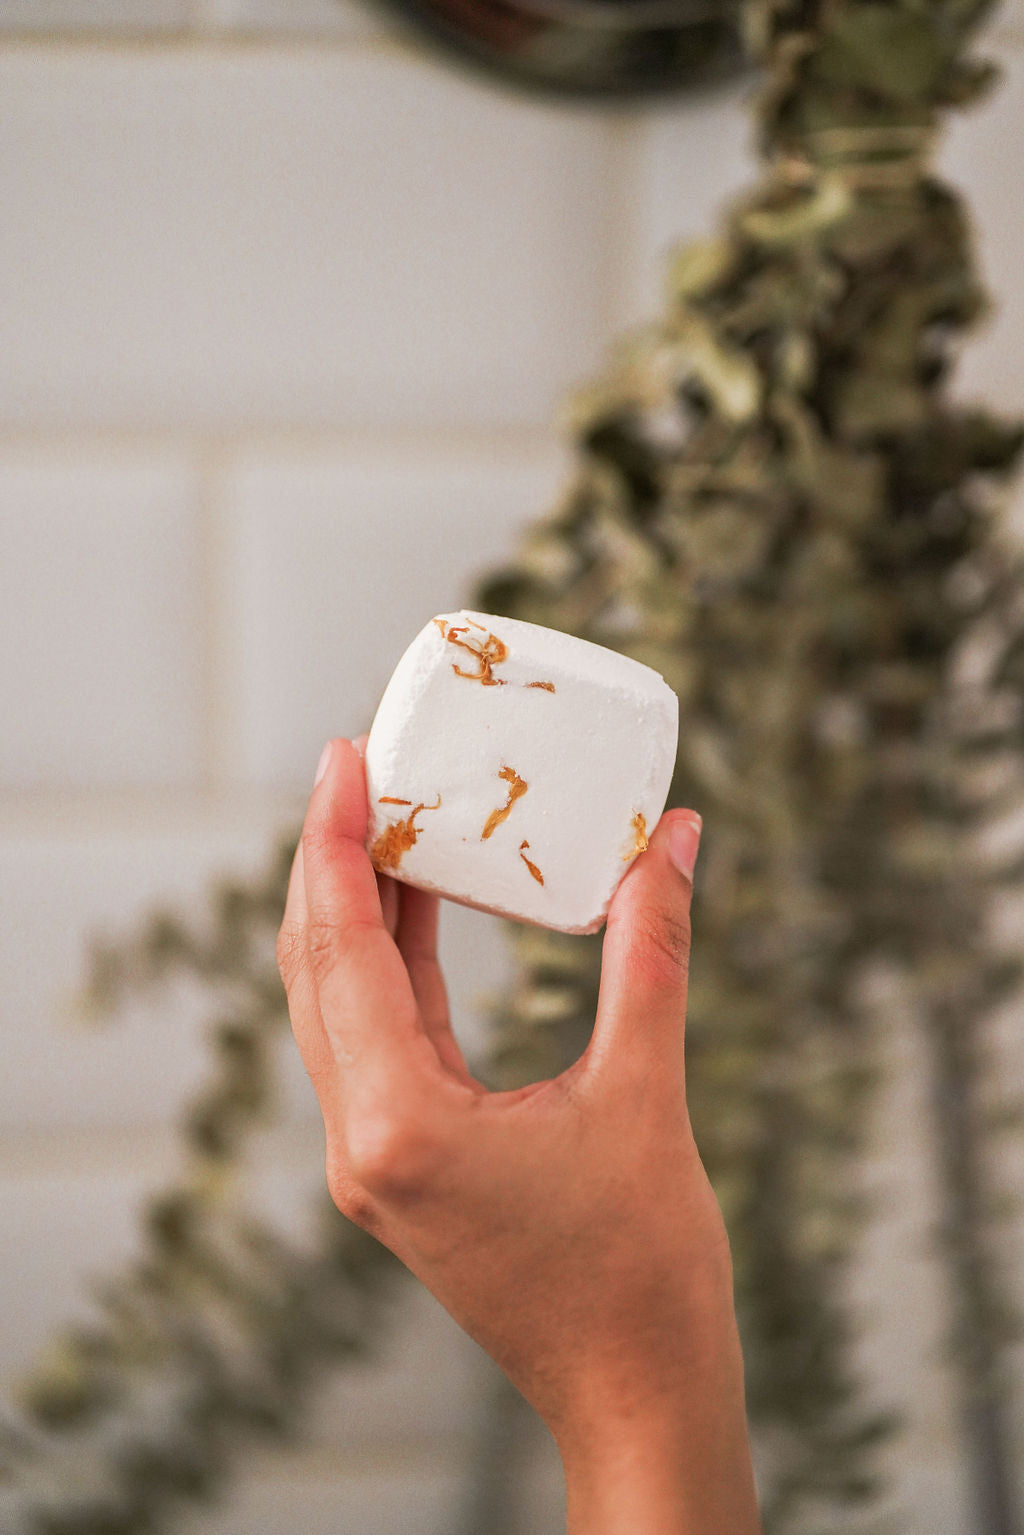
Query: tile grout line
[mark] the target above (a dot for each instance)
(213, 39)
(201, 31)
(83, 815)
(436, 442)
(99, 1150)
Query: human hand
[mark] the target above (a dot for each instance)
(568, 1225)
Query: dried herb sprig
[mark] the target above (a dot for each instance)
(221, 1327)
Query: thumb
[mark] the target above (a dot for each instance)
(645, 960)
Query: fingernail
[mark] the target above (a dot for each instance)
(683, 842)
(321, 767)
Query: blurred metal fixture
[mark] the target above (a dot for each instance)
(586, 48)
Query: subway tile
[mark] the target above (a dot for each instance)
(99, 621)
(63, 17)
(211, 237)
(981, 156)
(336, 563)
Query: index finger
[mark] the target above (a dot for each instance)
(366, 1000)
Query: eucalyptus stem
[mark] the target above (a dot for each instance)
(985, 1405)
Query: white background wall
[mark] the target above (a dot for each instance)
(278, 292)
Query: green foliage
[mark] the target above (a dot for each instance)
(778, 505)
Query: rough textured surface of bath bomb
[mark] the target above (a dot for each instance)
(517, 769)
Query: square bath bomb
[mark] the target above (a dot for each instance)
(517, 769)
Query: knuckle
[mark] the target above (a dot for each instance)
(664, 946)
(321, 943)
(290, 952)
(389, 1156)
(353, 1201)
(330, 943)
(318, 839)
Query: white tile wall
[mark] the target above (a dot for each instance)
(285, 312)
(218, 238)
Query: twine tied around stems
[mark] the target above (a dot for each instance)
(892, 155)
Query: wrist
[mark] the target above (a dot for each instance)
(653, 1486)
(666, 1460)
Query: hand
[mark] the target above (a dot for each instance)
(569, 1225)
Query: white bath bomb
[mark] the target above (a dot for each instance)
(517, 769)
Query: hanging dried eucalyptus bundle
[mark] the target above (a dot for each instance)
(778, 506)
